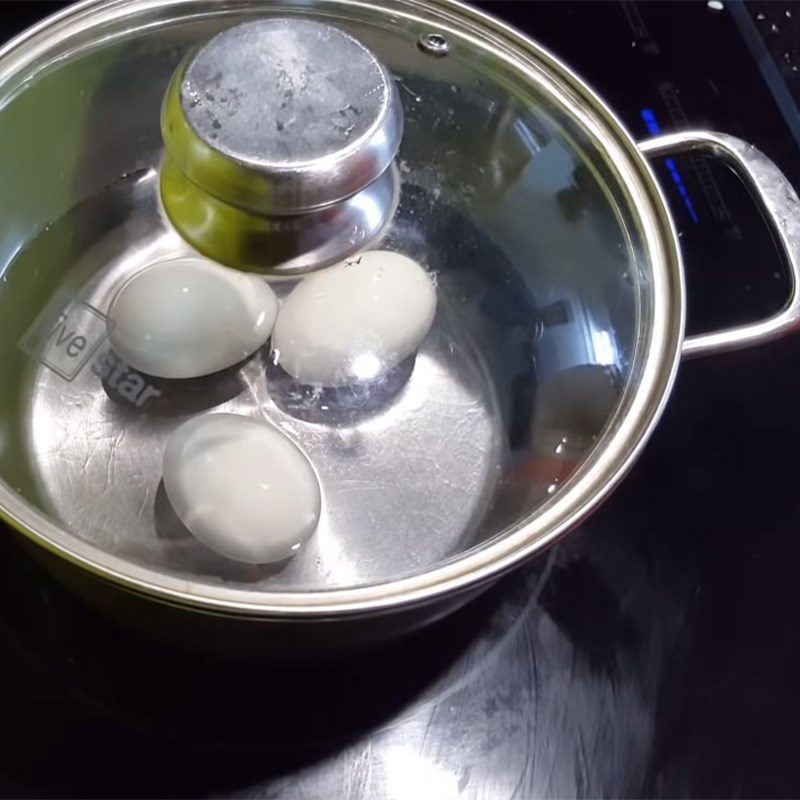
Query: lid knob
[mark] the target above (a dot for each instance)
(280, 118)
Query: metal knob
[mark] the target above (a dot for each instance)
(279, 137)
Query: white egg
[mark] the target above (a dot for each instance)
(241, 487)
(189, 317)
(354, 321)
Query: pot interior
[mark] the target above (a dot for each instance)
(544, 292)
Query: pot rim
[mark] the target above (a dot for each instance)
(593, 481)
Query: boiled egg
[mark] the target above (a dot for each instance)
(241, 487)
(189, 316)
(354, 321)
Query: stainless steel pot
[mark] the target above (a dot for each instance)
(559, 329)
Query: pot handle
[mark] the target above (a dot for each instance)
(781, 208)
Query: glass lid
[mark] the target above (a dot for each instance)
(301, 301)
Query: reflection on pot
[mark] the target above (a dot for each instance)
(336, 405)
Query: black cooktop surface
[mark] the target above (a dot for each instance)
(656, 652)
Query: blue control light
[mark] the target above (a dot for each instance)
(654, 129)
